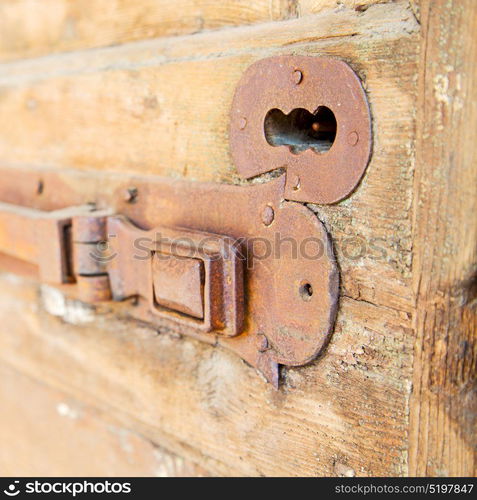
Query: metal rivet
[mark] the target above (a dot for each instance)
(242, 123)
(353, 138)
(297, 77)
(268, 215)
(130, 195)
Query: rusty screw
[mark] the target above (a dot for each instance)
(130, 195)
(242, 123)
(268, 215)
(297, 77)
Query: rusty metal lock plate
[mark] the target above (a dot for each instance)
(308, 115)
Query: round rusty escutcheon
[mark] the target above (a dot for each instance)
(298, 88)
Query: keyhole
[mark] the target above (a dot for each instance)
(301, 130)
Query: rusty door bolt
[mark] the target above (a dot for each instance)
(130, 195)
(200, 285)
(297, 77)
(268, 215)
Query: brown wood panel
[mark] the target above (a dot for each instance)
(444, 403)
(345, 413)
(29, 28)
(46, 432)
(162, 109)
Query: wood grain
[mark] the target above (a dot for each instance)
(31, 28)
(443, 406)
(161, 108)
(343, 414)
(306, 7)
(45, 431)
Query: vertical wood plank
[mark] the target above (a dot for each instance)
(443, 402)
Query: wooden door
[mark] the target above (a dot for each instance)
(94, 91)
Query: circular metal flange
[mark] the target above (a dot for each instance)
(288, 83)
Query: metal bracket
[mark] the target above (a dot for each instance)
(244, 267)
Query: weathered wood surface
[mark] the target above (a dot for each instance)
(47, 431)
(31, 28)
(345, 414)
(160, 107)
(444, 402)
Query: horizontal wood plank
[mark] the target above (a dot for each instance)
(39, 421)
(30, 28)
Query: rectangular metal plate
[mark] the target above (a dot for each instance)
(178, 283)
